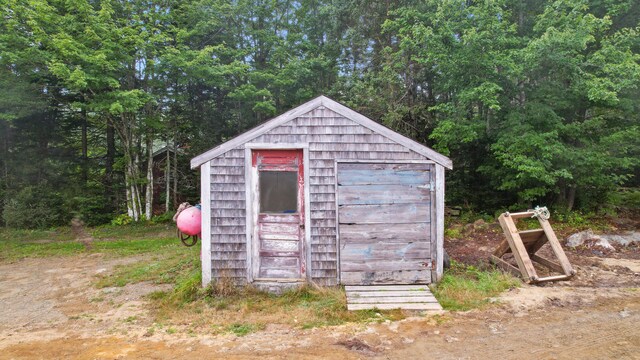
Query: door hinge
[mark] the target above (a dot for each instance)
(428, 186)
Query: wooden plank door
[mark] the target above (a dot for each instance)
(384, 223)
(278, 207)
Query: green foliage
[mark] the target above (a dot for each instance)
(468, 287)
(91, 209)
(628, 198)
(35, 208)
(188, 285)
(163, 219)
(122, 219)
(534, 101)
(241, 329)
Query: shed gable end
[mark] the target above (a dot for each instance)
(330, 136)
(322, 102)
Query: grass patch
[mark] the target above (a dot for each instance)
(139, 231)
(171, 263)
(131, 240)
(468, 287)
(242, 329)
(217, 308)
(453, 232)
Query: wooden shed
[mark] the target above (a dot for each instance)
(322, 194)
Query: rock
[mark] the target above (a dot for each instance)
(604, 244)
(578, 239)
(624, 239)
(604, 241)
(600, 245)
(451, 339)
(406, 340)
(625, 313)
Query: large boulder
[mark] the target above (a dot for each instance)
(605, 241)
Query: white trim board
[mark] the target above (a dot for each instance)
(205, 232)
(331, 105)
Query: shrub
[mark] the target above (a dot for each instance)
(163, 218)
(122, 219)
(35, 208)
(92, 209)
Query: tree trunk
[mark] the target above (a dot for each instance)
(175, 173)
(85, 151)
(167, 180)
(137, 178)
(571, 198)
(5, 133)
(148, 208)
(131, 150)
(109, 161)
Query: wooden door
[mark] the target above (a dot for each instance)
(278, 207)
(384, 223)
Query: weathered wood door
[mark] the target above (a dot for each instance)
(384, 217)
(278, 206)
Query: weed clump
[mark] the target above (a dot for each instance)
(465, 287)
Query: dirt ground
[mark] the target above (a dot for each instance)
(49, 309)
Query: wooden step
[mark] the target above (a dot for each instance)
(388, 293)
(412, 306)
(393, 300)
(386, 287)
(384, 297)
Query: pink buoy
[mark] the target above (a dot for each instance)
(189, 221)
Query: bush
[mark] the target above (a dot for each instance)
(163, 218)
(626, 198)
(92, 209)
(122, 219)
(35, 208)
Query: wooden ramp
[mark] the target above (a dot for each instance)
(385, 297)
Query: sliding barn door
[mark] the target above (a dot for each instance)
(384, 217)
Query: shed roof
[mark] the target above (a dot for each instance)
(331, 105)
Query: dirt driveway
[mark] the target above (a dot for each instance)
(50, 310)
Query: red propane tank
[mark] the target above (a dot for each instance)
(189, 221)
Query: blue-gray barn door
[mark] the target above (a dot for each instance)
(384, 217)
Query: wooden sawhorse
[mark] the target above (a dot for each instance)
(525, 244)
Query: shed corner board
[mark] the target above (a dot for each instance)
(439, 214)
(248, 214)
(205, 235)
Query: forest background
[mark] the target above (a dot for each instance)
(536, 102)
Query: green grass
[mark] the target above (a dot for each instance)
(110, 240)
(169, 264)
(219, 307)
(242, 329)
(468, 287)
(140, 231)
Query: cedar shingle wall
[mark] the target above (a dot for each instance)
(330, 136)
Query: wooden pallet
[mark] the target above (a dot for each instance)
(525, 244)
(385, 297)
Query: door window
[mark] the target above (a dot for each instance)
(278, 191)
